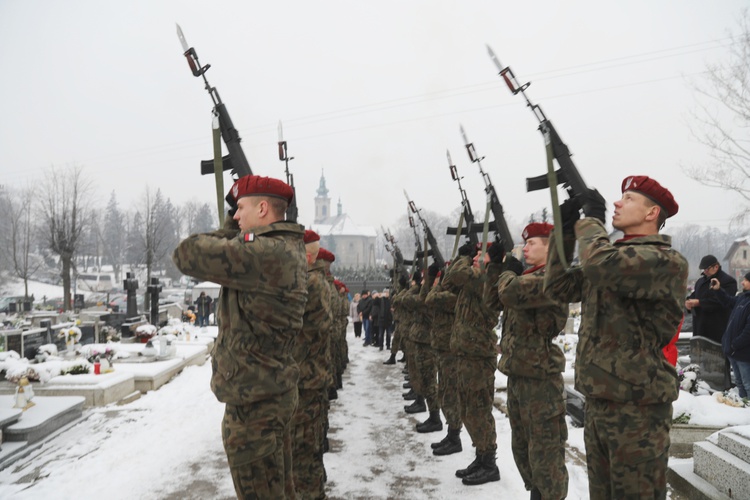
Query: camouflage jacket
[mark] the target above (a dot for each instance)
(311, 345)
(263, 278)
(414, 305)
(476, 317)
(530, 321)
(441, 305)
(406, 314)
(631, 295)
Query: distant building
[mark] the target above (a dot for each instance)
(353, 245)
(738, 257)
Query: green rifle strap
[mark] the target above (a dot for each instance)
(458, 235)
(426, 253)
(218, 171)
(552, 181)
(485, 231)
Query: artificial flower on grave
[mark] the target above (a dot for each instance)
(732, 398)
(689, 381)
(145, 332)
(72, 335)
(98, 352)
(110, 334)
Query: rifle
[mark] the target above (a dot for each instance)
(500, 225)
(567, 174)
(291, 210)
(395, 251)
(468, 220)
(415, 263)
(235, 160)
(437, 257)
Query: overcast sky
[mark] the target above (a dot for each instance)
(372, 93)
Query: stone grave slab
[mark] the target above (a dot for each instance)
(46, 416)
(709, 356)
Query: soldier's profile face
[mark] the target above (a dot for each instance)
(630, 211)
(247, 215)
(535, 250)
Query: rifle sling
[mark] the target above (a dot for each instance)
(552, 183)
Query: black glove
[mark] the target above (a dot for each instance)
(570, 212)
(467, 250)
(512, 264)
(496, 253)
(433, 270)
(594, 205)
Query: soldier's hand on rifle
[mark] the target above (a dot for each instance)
(467, 250)
(512, 264)
(433, 270)
(232, 202)
(594, 205)
(496, 252)
(570, 212)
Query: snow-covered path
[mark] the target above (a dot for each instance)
(167, 445)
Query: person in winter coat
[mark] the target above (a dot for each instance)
(736, 339)
(385, 320)
(203, 308)
(354, 316)
(375, 318)
(709, 316)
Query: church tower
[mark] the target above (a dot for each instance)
(322, 201)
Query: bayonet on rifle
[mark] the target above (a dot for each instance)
(235, 160)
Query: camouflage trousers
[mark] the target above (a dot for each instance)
(307, 446)
(426, 361)
(476, 392)
(258, 444)
(395, 340)
(536, 410)
(627, 449)
(447, 364)
(410, 352)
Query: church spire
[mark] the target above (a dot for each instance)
(322, 190)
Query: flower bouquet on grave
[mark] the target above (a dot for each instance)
(110, 334)
(96, 353)
(72, 337)
(689, 381)
(144, 333)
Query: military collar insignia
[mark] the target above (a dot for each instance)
(249, 237)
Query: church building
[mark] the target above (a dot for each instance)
(353, 245)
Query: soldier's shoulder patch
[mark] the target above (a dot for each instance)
(250, 237)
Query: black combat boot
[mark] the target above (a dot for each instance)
(391, 360)
(487, 471)
(332, 393)
(452, 444)
(403, 359)
(417, 406)
(535, 495)
(406, 385)
(441, 442)
(432, 424)
(410, 396)
(473, 467)
(405, 371)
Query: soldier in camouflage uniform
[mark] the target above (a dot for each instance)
(534, 366)
(631, 293)
(259, 261)
(396, 337)
(324, 259)
(310, 353)
(441, 305)
(425, 360)
(410, 319)
(475, 343)
(327, 257)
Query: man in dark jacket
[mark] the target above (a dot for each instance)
(709, 316)
(736, 340)
(385, 320)
(364, 308)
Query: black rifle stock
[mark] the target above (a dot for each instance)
(567, 174)
(468, 224)
(499, 223)
(235, 160)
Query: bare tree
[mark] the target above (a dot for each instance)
(4, 229)
(112, 235)
(64, 211)
(20, 233)
(723, 118)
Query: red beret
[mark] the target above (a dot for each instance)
(325, 255)
(652, 190)
(255, 185)
(310, 236)
(537, 229)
